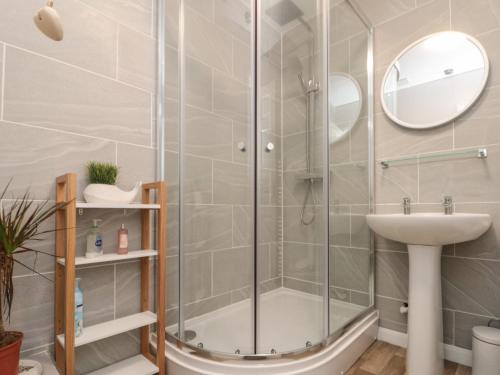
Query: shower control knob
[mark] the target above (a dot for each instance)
(242, 147)
(269, 147)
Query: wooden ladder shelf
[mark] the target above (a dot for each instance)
(66, 262)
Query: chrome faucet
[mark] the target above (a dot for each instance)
(406, 205)
(448, 205)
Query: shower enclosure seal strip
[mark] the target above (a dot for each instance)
(257, 147)
(326, 165)
(180, 130)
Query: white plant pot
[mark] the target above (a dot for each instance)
(101, 193)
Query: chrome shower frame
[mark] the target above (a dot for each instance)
(160, 117)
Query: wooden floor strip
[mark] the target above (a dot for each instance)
(385, 359)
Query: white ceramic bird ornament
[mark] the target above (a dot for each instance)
(49, 22)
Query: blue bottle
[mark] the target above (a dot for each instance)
(78, 308)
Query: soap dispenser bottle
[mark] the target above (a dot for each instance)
(94, 240)
(122, 240)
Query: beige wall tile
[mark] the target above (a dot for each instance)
(479, 126)
(98, 290)
(39, 91)
(242, 61)
(303, 262)
(475, 17)
(383, 10)
(90, 38)
(393, 140)
(242, 225)
(395, 183)
(207, 227)
(207, 135)
(339, 57)
(199, 84)
(132, 161)
(344, 23)
(489, 41)
(204, 7)
(488, 245)
(35, 157)
(135, 14)
(295, 231)
(207, 42)
(231, 98)
(471, 285)
(231, 183)
(232, 269)
(33, 311)
(466, 180)
(351, 268)
(136, 59)
(197, 277)
(391, 274)
(233, 17)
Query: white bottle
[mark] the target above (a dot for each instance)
(94, 240)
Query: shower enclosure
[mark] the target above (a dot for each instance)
(268, 159)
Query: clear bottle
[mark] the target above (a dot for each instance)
(78, 308)
(122, 240)
(94, 240)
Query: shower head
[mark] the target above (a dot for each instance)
(284, 12)
(49, 22)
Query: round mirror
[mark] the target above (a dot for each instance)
(435, 80)
(345, 101)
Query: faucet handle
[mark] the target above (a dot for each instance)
(406, 205)
(448, 204)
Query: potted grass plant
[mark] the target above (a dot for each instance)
(20, 225)
(102, 188)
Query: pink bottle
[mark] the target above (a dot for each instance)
(122, 240)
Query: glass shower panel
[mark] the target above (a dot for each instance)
(215, 176)
(292, 250)
(349, 78)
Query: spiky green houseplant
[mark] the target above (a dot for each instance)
(102, 173)
(20, 224)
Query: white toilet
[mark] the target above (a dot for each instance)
(485, 351)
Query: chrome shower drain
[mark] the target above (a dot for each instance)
(188, 335)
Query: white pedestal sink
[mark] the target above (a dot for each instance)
(425, 235)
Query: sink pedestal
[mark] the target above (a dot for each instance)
(425, 353)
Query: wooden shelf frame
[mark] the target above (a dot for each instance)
(66, 191)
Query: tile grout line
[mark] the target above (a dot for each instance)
(2, 94)
(109, 140)
(117, 50)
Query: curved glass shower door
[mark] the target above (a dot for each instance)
(291, 212)
(267, 248)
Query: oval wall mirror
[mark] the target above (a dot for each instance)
(345, 101)
(435, 80)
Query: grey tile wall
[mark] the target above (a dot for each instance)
(469, 270)
(89, 97)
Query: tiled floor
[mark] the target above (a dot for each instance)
(386, 359)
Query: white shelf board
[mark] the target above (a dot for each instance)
(112, 328)
(126, 206)
(137, 365)
(111, 257)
